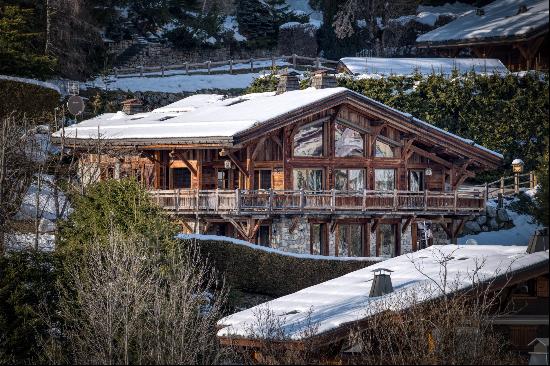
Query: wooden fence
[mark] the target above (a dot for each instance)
(208, 67)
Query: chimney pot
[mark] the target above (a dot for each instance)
(288, 81)
(381, 284)
(132, 106)
(323, 79)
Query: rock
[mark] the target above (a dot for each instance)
(481, 219)
(501, 225)
(493, 224)
(491, 211)
(502, 215)
(471, 227)
(484, 228)
(46, 226)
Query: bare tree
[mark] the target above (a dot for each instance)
(130, 303)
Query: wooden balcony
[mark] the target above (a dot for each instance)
(247, 202)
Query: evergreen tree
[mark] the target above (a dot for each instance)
(21, 43)
(256, 23)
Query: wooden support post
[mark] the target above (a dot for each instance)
(162, 70)
(500, 203)
(516, 183)
(251, 65)
(459, 228)
(238, 200)
(231, 66)
(332, 199)
(208, 66)
(407, 223)
(187, 68)
(141, 70)
(317, 63)
(302, 199)
(116, 72)
(273, 62)
(294, 61)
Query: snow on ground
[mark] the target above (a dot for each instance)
(31, 81)
(501, 18)
(21, 241)
(303, 7)
(408, 66)
(275, 251)
(46, 200)
(346, 299)
(520, 234)
(230, 24)
(177, 83)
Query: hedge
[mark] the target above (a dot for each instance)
(269, 273)
(35, 101)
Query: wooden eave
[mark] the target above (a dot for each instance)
(342, 332)
(493, 41)
(403, 122)
(151, 143)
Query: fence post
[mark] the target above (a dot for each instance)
(208, 66)
(531, 180)
(251, 65)
(141, 70)
(231, 66)
(187, 68)
(317, 63)
(273, 62)
(115, 69)
(500, 202)
(162, 70)
(294, 61)
(516, 183)
(535, 183)
(486, 195)
(177, 200)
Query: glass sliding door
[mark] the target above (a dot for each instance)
(384, 179)
(308, 179)
(349, 179)
(350, 240)
(387, 238)
(318, 239)
(416, 180)
(262, 179)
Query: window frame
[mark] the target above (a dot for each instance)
(347, 170)
(363, 140)
(258, 180)
(294, 183)
(323, 140)
(392, 148)
(394, 179)
(338, 241)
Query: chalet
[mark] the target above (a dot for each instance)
(514, 31)
(321, 317)
(322, 170)
(425, 66)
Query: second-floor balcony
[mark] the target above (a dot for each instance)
(189, 201)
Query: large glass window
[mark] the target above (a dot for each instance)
(384, 179)
(262, 179)
(348, 142)
(318, 239)
(349, 179)
(308, 179)
(308, 141)
(350, 240)
(383, 150)
(181, 178)
(263, 236)
(416, 180)
(387, 239)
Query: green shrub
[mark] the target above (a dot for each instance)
(262, 272)
(27, 294)
(114, 205)
(36, 102)
(267, 83)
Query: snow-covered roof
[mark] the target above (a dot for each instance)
(410, 66)
(343, 300)
(211, 118)
(500, 19)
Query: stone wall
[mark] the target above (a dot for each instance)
(294, 242)
(492, 220)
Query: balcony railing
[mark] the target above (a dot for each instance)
(300, 201)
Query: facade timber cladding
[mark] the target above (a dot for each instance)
(327, 171)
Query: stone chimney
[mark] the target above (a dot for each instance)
(322, 79)
(132, 106)
(381, 284)
(288, 81)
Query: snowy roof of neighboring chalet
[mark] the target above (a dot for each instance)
(212, 118)
(410, 66)
(501, 19)
(345, 300)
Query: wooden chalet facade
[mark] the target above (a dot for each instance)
(322, 170)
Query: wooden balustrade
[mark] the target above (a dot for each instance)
(246, 201)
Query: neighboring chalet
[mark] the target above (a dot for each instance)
(323, 170)
(514, 31)
(425, 66)
(320, 318)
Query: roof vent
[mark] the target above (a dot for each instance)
(288, 81)
(522, 9)
(132, 106)
(323, 79)
(381, 284)
(480, 12)
(538, 242)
